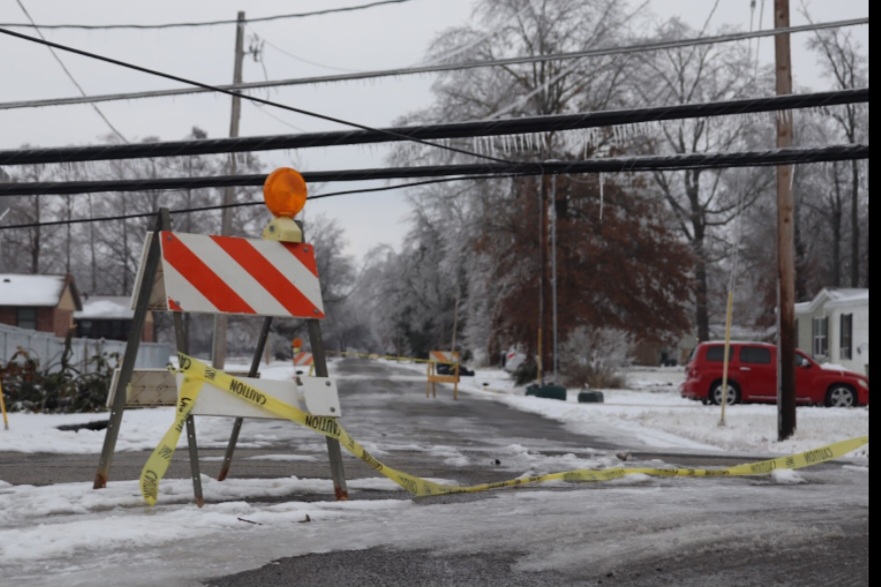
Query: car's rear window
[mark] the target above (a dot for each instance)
(752, 354)
(717, 353)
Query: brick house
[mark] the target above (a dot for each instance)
(45, 303)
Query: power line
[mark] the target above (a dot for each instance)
(70, 75)
(609, 165)
(231, 93)
(534, 124)
(104, 27)
(638, 48)
(242, 204)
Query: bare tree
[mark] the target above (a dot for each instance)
(703, 202)
(486, 242)
(843, 62)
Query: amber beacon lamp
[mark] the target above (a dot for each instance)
(284, 192)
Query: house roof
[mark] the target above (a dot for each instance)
(35, 290)
(849, 297)
(834, 296)
(98, 307)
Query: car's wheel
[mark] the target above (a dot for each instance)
(841, 396)
(717, 392)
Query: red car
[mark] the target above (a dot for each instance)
(752, 377)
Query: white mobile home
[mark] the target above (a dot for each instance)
(834, 327)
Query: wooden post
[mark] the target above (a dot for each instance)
(3, 409)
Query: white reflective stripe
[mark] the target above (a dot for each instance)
(444, 357)
(233, 274)
(303, 359)
(293, 269)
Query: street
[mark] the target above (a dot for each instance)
(638, 531)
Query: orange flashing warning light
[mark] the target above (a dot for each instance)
(297, 343)
(284, 192)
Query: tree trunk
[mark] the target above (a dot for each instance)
(35, 251)
(835, 222)
(702, 312)
(854, 224)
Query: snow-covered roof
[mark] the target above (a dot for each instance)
(30, 290)
(97, 307)
(834, 296)
(849, 297)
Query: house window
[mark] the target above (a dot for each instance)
(107, 329)
(819, 330)
(26, 318)
(845, 343)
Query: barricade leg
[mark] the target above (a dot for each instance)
(428, 382)
(334, 452)
(237, 425)
(131, 354)
(194, 461)
(180, 336)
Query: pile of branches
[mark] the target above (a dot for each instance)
(29, 386)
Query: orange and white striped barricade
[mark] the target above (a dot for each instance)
(273, 277)
(232, 275)
(443, 358)
(304, 359)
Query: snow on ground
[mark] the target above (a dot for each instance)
(69, 534)
(649, 409)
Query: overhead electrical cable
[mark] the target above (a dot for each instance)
(105, 27)
(70, 75)
(457, 130)
(298, 58)
(243, 96)
(247, 204)
(609, 165)
(638, 48)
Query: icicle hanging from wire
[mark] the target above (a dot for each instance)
(602, 198)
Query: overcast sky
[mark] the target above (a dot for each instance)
(390, 36)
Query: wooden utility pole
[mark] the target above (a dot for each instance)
(785, 237)
(542, 247)
(218, 347)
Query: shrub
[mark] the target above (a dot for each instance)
(28, 387)
(594, 358)
(526, 372)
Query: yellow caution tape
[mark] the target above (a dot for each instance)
(197, 374)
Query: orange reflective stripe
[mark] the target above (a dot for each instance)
(268, 276)
(201, 277)
(305, 255)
